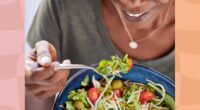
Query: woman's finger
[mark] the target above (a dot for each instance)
(56, 81)
(58, 76)
(42, 73)
(43, 54)
(36, 88)
(46, 94)
(32, 55)
(46, 53)
(29, 66)
(49, 93)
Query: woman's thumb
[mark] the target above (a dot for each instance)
(46, 53)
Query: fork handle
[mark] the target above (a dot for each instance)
(71, 66)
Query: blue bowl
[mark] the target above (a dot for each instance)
(137, 74)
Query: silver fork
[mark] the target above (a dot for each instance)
(80, 66)
(74, 66)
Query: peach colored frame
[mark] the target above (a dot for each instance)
(187, 55)
(11, 55)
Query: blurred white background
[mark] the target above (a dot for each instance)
(30, 10)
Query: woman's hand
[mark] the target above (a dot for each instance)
(42, 80)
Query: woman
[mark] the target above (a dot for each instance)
(86, 31)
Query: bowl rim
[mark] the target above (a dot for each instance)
(83, 70)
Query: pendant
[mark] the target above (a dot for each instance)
(133, 45)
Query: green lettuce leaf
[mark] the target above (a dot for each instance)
(79, 95)
(85, 82)
(69, 106)
(115, 64)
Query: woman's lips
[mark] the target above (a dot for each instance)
(134, 16)
(139, 16)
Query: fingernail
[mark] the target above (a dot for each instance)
(45, 60)
(41, 42)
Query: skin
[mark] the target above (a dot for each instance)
(157, 20)
(43, 82)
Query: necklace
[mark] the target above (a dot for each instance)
(132, 44)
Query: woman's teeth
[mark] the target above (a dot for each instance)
(135, 14)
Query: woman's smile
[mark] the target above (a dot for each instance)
(139, 10)
(139, 16)
(130, 16)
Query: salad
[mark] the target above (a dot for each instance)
(113, 93)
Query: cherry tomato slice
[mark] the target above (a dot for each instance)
(146, 96)
(119, 93)
(93, 94)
